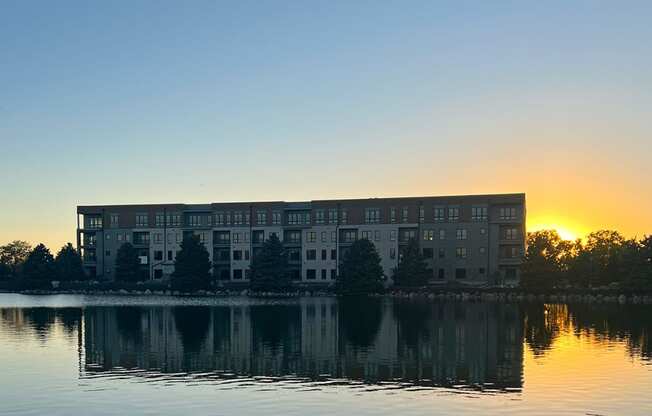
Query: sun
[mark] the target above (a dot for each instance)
(564, 232)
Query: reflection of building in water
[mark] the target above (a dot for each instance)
(371, 340)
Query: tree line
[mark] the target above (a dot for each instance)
(605, 259)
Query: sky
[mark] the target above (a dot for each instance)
(195, 102)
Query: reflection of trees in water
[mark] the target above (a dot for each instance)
(128, 321)
(360, 319)
(41, 320)
(275, 326)
(69, 318)
(192, 323)
(413, 318)
(543, 324)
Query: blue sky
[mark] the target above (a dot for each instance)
(129, 102)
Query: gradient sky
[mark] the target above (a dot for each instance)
(137, 102)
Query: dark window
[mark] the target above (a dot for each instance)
(246, 252)
(108, 253)
(510, 273)
(311, 274)
(311, 254)
(323, 274)
(333, 274)
(258, 236)
(170, 255)
(442, 253)
(295, 274)
(237, 255)
(460, 273)
(237, 274)
(333, 254)
(294, 255)
(481, 270)
(428, 253)
(158, 274)
(441, 274)
(158, 255)
(324, 254)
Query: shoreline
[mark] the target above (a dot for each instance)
(456, 295)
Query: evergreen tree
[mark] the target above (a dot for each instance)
(39, 264)
(127, 264)
(192, 267)
(360, 272)
(68, 264)
(269, 269)
(412, 269)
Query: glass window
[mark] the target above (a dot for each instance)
(332, 216)
(453, 214)
(405, 214)
(461, 234)
(460, 252)
(261, 217)
(438, 214)
(319, 216)
(442, 234)
(115, 220)
(392, 215)
(372, 215)
(141, 220)
(428, 235)
(479, 213)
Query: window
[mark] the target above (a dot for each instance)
(108, 253)
(479, 213)
(438, 214)
(332, 216)
(404, 214)
(441, 274)
(298, 218)
(511, 234)
(461, 234)
(428, 235)
(333, 254)
(392, 235)
(460, 273)
(258, 236)
(237, 254)
(115, 220)
(323, 237)
(441, 253)
(246, 236)
(510, 273)
(481, 270)
(246, 254)
(323, 274)
(159, 219)
(311, 254)
(261, 217)
(508, 213)
(349, 236)
(247, 219)
(319, 216)
(483, 231)
(119, 236)
(453, 214)
(237, 274)
(514, 252)
(141, 220)
(311, 236)
(333, 237)
(219, 218)
(372, 215)
(158, 255)
(422, 215)
(170, 257)
(158, 274)
(345, 216)
(407, 235)
(442, 234)
(460, 252)
(333, 274)
(158, 238)
(276, 218)
(202, 238)
(194, 220)
(366, 235)
(237, 218)
(173, 220)
(428, 253)
(392, 253)
(222, 237)
(376, 235)
(293, 237)
(294, 254)
(141, 239)
(311, 274)
(95, 222)
(236, 237)
(392, 215)
(483, 250)
(324, 254)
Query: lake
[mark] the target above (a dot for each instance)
(68, 354)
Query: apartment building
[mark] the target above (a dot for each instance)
(475, 239)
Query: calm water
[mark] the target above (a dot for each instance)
(121, 355)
